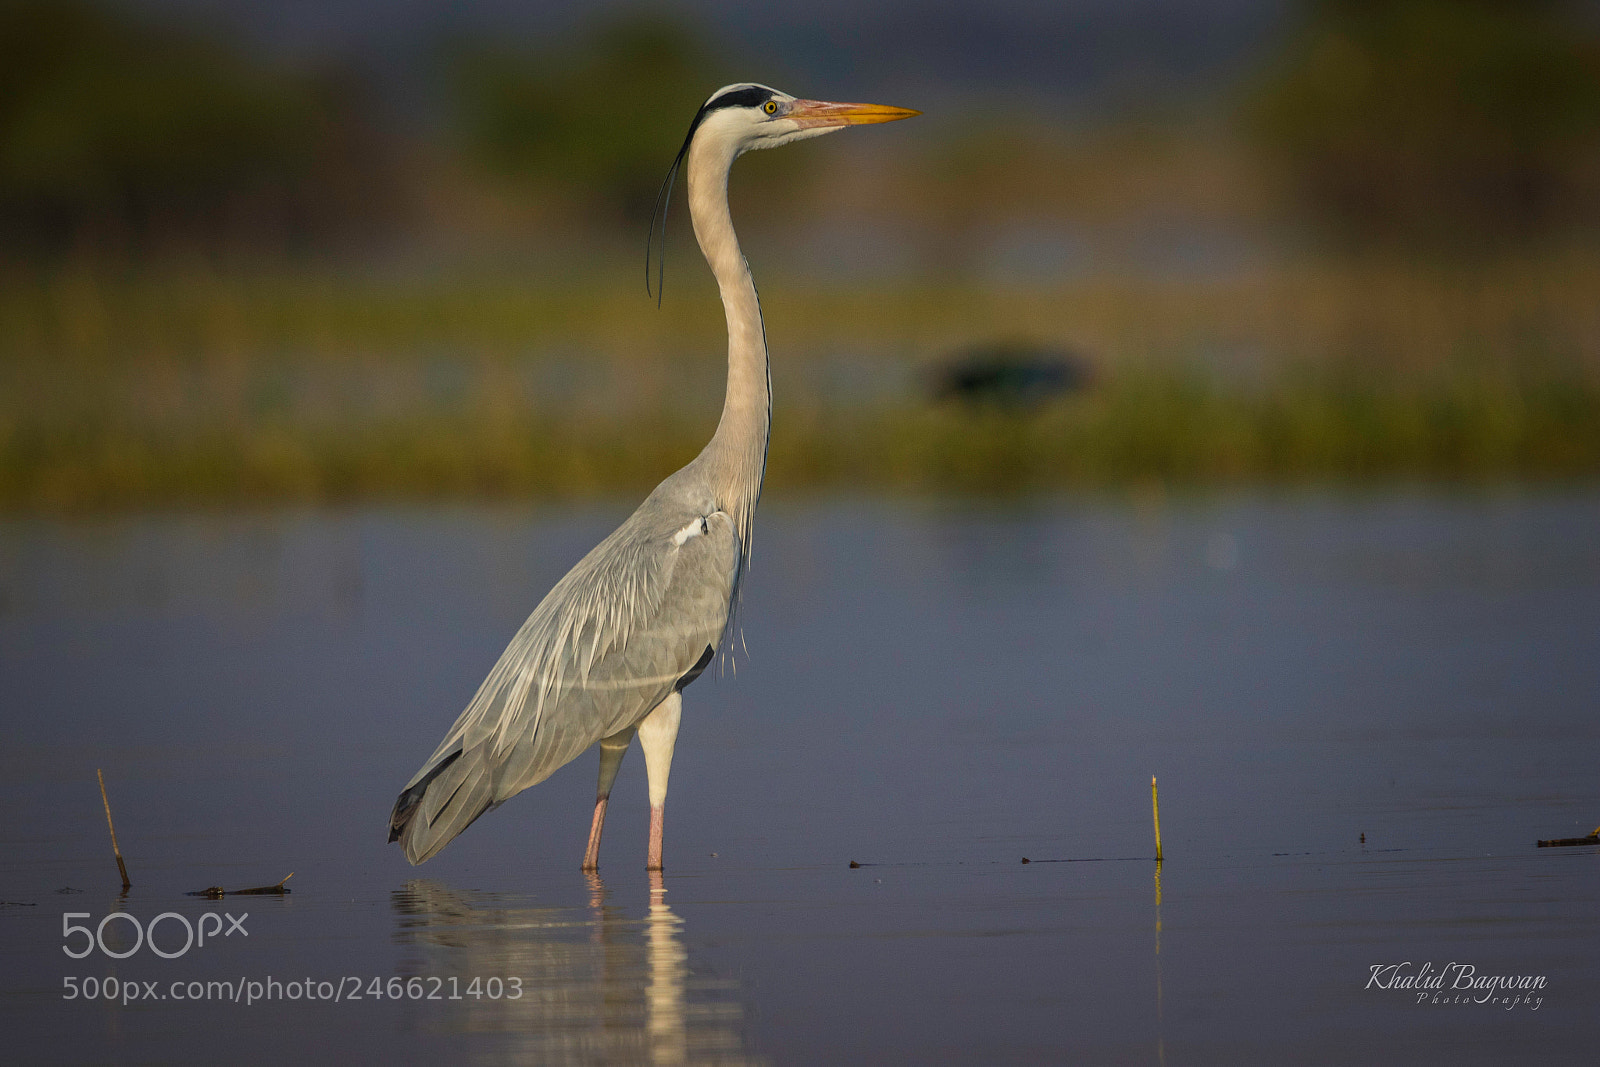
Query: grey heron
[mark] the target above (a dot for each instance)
(606, 655)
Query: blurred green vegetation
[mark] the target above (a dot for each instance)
(121, 391)
(1440, 122)
(595, 121)
(117, 133)
(224, 281)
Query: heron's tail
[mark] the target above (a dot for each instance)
(442, 801)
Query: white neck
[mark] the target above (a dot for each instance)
(736, 457)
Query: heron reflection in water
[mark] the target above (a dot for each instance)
(599, 983)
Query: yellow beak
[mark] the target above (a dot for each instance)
(826, 113)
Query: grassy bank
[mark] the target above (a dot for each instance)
(1146, 431)
(181, 386)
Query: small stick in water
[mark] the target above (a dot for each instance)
(280, 888)
(115, 851)
(1155, 810)
(216, 892)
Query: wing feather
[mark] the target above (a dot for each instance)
(606, 645)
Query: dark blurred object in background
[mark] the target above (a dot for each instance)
(122, 135)
(1440, 122)
(1012, 375)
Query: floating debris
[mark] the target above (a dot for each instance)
(216, 892)
(1559, 842)
(854, 865)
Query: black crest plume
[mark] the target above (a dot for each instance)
(662, 206)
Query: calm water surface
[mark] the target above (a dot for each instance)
(932, 691)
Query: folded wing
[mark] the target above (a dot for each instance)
(638, 616)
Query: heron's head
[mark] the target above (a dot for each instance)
(747, 116)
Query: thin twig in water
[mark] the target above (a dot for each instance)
(122, 867)
(1155, 810)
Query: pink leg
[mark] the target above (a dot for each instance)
(657, 826)
(591, 856)
(658, 733)
(612, 749)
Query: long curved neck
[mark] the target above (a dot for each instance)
(736, 457)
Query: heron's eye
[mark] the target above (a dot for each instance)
(770, 107)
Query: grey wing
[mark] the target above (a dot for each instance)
(639, 627)
(643, 611)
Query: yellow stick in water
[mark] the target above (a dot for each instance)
(1155, 810)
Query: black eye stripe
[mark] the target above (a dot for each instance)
(750, 96)
(747, 97)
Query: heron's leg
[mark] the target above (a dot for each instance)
(658, 733)
(612, 749)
